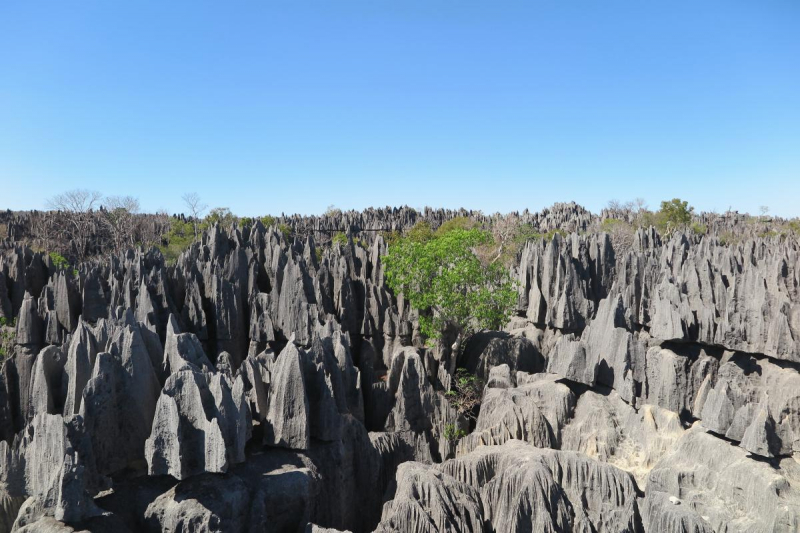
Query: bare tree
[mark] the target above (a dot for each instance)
(195, 206)
(75, 207)
(764, 209)
(505, 229)
(119, 217)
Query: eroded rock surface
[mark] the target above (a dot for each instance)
(272, 383)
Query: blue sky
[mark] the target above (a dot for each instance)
(291, 106)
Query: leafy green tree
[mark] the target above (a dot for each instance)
(421, 232)
(444, 279)
(674, 214)
(179, 237)
(456, 223)
(221, 216)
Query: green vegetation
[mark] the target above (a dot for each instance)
(340, 238)
(179, 237)
(462, 223)
(465, 394)
(610, 225)
(332, 211)
(420, 233)
(524, 233)
(675, 214)
(452, 433)
(286, 230)
(268, 221)
(221, 216)
(8, 337)
(61, 263)
(391, 237)
(444, 278)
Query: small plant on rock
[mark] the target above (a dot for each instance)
(466, 391)
(61, 263)
(8, 336)
(453, 433)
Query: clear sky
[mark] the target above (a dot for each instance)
(291, 106)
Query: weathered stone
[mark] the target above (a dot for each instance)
(287, 421)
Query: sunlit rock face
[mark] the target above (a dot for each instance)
(266, 383)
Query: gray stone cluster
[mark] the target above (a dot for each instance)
(261, 384)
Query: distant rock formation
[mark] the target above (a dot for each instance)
(266, 384)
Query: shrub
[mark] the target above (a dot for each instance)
(421, 232)
(463, 223)
(60, 263)
(179, 237)
(445, 280)
(552, 233)
(452, 433)
(268, 221)
(619, 232)
(466, 391)
(339, 238)
(221, 216)
(332, 211)
(8, 337)
(525, 233)
(391, 237)
(286, 230)
(699, 229)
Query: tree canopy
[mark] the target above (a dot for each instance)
(442, 276)
(676, 213)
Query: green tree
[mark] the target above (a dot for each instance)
(179, 237)
(221, 216)
(421, 232)
(444, 279)
(674, 214)
(456, 223)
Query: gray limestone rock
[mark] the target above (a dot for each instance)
(80, 361)
(191, 433)
(729, 490)
(488, 349)
(287, 420)
(428, 500)
(203, 503)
